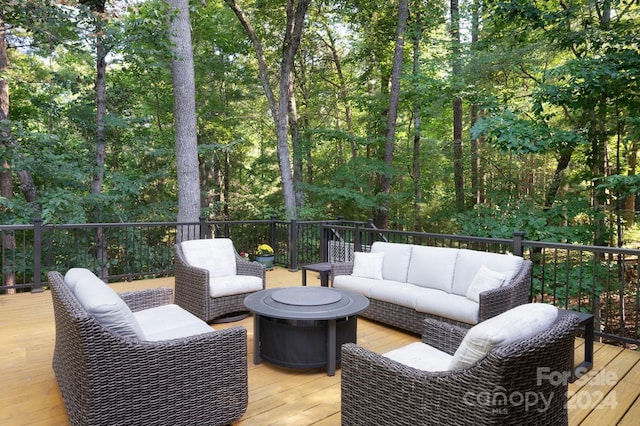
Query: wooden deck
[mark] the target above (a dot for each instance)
(29, 395)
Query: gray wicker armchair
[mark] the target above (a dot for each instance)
(513, 384)
(107, 379)
(195, 281)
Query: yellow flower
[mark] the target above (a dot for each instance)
(264, 250)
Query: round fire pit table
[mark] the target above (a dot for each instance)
(304, 327)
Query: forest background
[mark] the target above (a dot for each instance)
(470, 116)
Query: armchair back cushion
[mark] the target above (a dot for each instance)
(215, 255)
(103, 303)
(519, 323)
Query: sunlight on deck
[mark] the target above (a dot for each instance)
(607, 395)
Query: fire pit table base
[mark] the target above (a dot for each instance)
(304, 327)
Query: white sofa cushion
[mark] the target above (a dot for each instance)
(396, 260)
(402, 294)
(169, 322)
(432, 267)
(234, 284)
(358, 285)
(451, 306)
(368, 265)
(104, 304)
(519, 323)
(421, 356)
(485, 280)
(215, 255)
(468, 264)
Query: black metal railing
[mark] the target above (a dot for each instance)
(594, 279)
(600, 280)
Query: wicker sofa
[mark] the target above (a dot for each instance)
(136, 359)
(518, 380)
(408, 283)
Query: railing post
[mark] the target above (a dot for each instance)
(324, 242)
(518, 236)
(357, 245)
(203, 227)
(37, 256)
(293, 246)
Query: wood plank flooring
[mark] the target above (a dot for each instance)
(29, 395)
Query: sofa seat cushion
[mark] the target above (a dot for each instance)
(215, 255)
(519, 323)
(469, 262)
(234, 284)
(421, 356)
(169, 322)
(396, 260)
(402, 294)
(432, 267)
(451, 306)
(103, 303)
(358, 285)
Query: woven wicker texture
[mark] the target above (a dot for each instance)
(106, 379)
(192, 288)
(504, 388)
(492, 303)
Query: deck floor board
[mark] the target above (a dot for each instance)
(607, 395)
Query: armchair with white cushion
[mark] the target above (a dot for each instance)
(510, 369)
(212, 279)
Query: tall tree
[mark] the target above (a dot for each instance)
(458, 165)
(381, 218)
(295, 15)
(184, 113)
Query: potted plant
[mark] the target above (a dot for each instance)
(265, 255)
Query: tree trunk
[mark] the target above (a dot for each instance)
(280, 111)
(101, 142)
(630, 200)
(344, 94)
(6, 181)
(458, 168)
(184, 110)
(382, 213)
(417, 176)
(475, 155)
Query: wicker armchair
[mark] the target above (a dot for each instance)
(107, 379)
(513, 384)
(195, 281)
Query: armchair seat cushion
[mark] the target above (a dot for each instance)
(420, 356)
(169, 322)
(234, 284)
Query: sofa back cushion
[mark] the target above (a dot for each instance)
(103, 303)
(216, 255)
(469, 262)
(519, 323)
(395, 265)
(432, 267)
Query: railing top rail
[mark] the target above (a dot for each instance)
(580, 247)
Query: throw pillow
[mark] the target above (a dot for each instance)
(519, 323)
(484, 280)
(368, 265)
